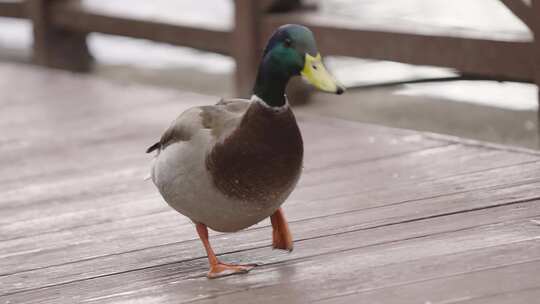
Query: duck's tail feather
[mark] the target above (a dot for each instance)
(153, 147)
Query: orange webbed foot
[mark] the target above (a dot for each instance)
(217, 268)
(220, 270)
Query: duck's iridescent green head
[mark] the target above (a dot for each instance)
(291, 51)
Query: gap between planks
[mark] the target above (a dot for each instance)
(368, 209)
(494, 234)
(427, 219)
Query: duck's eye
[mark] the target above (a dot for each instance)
(314, 66)
(287, 42)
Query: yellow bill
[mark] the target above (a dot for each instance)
(316, 74)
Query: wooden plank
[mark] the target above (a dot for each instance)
(430, 256)
(349, 188)
(80, 221)
(85, 161)
(95, 257)
(313, 279)
(469, 55)
(454, 286)
(66, 196)
(96, 110)
(369, 140)
(436, 17)
(72, 15)
(513, 297)
(521, 10)
(169, 221)
(132, 144)
(454, 289)
(62, 209)
(89, 167)
(63, 212)
(65, 184)
(475, 155)
(12, 9)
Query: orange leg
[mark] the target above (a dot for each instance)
(217, 268)
(281, 235)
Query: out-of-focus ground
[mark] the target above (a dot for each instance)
(502, 112)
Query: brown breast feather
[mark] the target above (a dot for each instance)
(261, 160)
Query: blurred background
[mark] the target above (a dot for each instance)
(463, 68)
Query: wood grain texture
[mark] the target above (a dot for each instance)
(456, 288)
(536, 33)
(519, 296)
(247, 40)
(379, 212)
(53, 46)
(71, 15)
(12, 9)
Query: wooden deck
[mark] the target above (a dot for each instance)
(380, 216)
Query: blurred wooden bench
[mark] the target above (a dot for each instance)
(61, 27)
(13, 9)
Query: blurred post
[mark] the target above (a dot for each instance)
(248, 41)
(536, 30)
(246, 44)
(55, 47)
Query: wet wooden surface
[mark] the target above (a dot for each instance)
(380, 215)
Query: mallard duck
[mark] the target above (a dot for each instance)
(230, 165)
